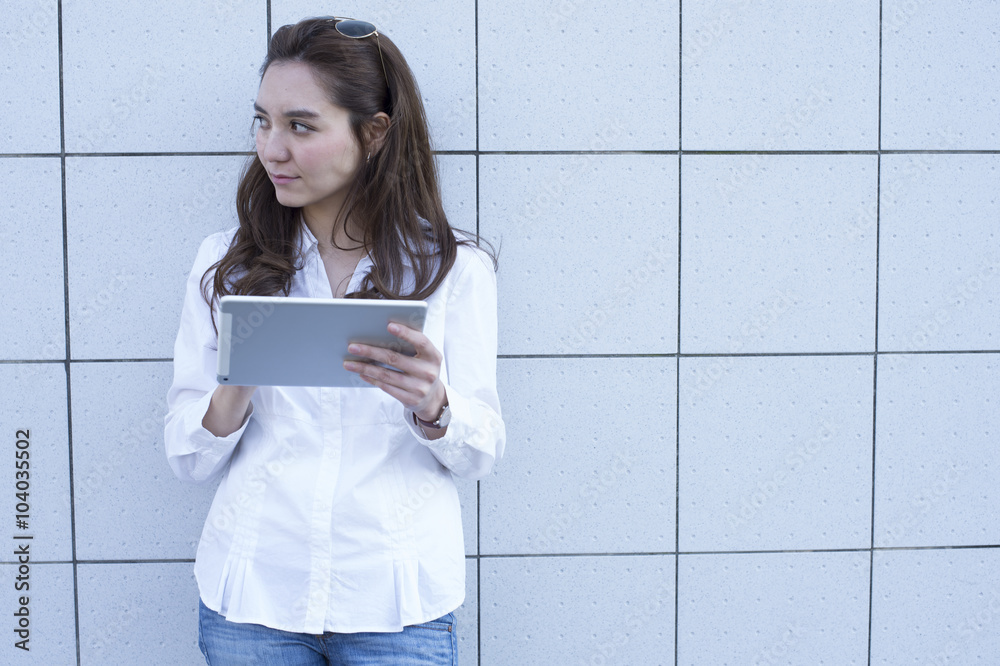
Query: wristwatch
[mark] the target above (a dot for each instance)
(442, 421)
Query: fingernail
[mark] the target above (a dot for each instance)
(354, 349)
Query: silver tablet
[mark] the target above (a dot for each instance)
(281, 341)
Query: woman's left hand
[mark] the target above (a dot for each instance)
(416, 383)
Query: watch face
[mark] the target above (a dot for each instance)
(445, 417)
(442, 420)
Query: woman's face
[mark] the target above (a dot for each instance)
(303, 140)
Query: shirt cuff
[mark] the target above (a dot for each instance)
(211, 448)
(456, 449)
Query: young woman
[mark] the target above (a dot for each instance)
(335, 534)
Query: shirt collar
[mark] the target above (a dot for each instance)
(307, 241)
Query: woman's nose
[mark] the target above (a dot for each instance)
(271, 147)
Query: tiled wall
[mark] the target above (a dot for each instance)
(750, 318)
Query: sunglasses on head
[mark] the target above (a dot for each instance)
(356, 29)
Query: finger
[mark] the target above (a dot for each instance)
(407, 398)
(381, 354)
(425, 348)
(421, 368)
(386, 377)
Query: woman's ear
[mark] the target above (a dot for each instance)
(376, 129)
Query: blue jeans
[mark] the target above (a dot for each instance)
(225, 643)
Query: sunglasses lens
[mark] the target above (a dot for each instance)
(355, 28)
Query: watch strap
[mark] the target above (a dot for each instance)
(436, 424)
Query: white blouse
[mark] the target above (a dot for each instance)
(333, 512)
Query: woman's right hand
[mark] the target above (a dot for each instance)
(228, 409)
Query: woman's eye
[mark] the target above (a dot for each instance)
(259, 123)
(299, 127)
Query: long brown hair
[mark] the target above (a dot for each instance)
(390, 194)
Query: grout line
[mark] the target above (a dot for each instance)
(88, 360)
(498, 556)
(476, 151)
(60, 361)
(479, 236)
(244, 153)
(66, 362)
(479, 562)
(759, 551)
(160, 560)
(8, 563)
(142, 154)
(677, 433)
(977, 546)
(753, 354)
(878, 203)
(924, 352)
(677, 362)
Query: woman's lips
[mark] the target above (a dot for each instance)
(281, 179)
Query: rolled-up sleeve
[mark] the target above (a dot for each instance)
(475, 438)
(194, 453)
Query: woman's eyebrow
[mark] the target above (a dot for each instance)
(293, 113)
